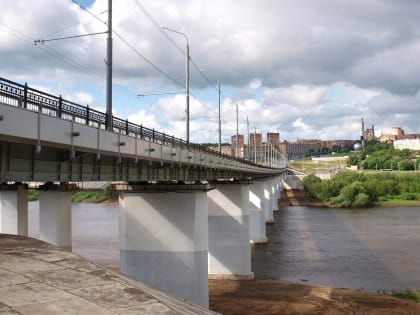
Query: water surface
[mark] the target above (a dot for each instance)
(374, 249)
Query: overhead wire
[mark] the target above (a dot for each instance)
(153, 21)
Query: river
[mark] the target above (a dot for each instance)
(372, 249)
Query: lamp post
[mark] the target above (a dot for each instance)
(187, 81)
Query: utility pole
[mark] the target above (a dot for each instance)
(247, 134)
(220, 123)
(237, 132)
(108, 123)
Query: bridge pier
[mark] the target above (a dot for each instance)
(268, 202)
(274, 192)
(229, 248)
(55, 215)
(256, 213)
(163, 241)
(14, 209)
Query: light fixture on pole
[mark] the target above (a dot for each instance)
(187, 81)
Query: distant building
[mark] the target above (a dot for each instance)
(240, 145)
(397, 133)
(273, 138)
(370, 134)
(302, 148)
(411, 144)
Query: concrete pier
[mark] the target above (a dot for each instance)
(55, 217)
(229, 248)
(14, 209)
(274, 192)
(268, 202)
(257, 231)
(163, 241)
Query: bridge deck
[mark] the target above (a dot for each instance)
(39, 278)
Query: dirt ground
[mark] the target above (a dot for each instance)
(281, 297)
(297, 197)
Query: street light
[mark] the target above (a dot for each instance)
(187, 81)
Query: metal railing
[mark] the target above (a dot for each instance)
(21, 95)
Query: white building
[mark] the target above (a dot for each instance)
(411, 144)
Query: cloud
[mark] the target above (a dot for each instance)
(321, 65)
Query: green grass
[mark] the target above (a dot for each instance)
(81, 196)
(33, 195)
(395, 202)
(408, 295)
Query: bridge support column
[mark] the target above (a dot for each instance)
(164, 241)
(268, 202)
(14, 209)
(229, 248)
(274, 193)
(256, 213)
(55, 215)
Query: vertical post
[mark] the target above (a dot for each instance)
(255, 145)
(109, 125)
(60, 107)
(237, 133)
(87, 115)
(247, 134)
(220, 122)
(25, 96)
(187, 85)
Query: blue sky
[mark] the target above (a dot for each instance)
(305, 69)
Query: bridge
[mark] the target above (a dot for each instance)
(187, 213)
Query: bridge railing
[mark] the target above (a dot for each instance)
(21, 95)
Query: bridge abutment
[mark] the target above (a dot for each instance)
(229, 248)
(14, 209)
(164, 241)
(257, 230)
(55, 219)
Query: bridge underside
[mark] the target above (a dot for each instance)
(21, 162)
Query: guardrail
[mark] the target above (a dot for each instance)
(23, 96)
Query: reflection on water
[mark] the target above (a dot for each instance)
(373, 249)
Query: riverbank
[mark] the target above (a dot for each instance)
(281, 297)
(298, 197)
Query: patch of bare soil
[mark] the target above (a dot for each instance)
(281, 297)
(298, 197)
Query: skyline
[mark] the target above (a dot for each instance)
(305, 70)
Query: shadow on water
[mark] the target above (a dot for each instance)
(374, 249)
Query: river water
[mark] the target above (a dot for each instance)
(373, 249)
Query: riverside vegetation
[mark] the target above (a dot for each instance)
(352, 189)
(80, 196)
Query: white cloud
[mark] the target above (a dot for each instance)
(315, 79)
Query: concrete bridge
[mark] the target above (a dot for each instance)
(186, 213)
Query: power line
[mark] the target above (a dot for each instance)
(150, 17)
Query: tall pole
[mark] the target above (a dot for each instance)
(187, 82)
(220, 123)
(187, 85)
(237, 132)
(247, 134)
(108, 122)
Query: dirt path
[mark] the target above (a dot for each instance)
(297, 197)
(281, 297)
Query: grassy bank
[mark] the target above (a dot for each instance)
(408, 295)
(350, 189)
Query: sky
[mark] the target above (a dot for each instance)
(306, 69)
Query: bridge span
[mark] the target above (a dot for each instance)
(186, 213)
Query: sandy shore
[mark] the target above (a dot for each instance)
(281, 297)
